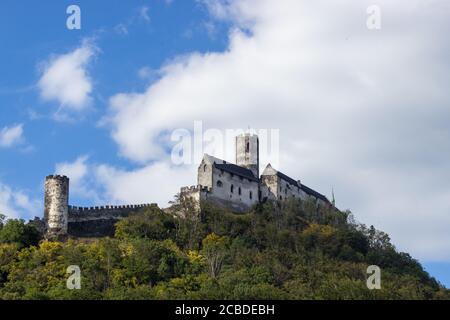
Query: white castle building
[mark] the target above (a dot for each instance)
(239, 186)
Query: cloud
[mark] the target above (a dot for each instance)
(154, 183)
(65, 79)
(11, 136)
(17, 204)
(121, 29)
(361, 110)
(143, 13)
(76, 170)
(104, 184)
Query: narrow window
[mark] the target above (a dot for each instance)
(247, 147)
(232, 188)
(251, 195)
(239, 191)
(219, 183)
(204, 168)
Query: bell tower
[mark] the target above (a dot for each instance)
(247, 152)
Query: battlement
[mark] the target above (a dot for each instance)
(75, 209)
(196, 188)
(57, 177)
(103, 213)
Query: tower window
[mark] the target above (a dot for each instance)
(247, 147)
(239, 191)
(219, 184)
(232, 189)
(251, 195)
(204, 168)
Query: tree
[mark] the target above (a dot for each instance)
(215, 249)
(17, 232)
(152, 223)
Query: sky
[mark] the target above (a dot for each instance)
(361, 105)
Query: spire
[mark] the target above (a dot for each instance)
(333, 201)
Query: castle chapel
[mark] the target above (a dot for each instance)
(239, 186)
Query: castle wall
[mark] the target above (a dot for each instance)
(98, 221)
(269, 187)
(238, 201)
(204, 176)
(274, 187)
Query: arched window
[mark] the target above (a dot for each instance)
(232, 188)
(239, 191)
(204, 168)
(251, 195)
(219, 184)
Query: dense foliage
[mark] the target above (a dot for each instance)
(291, 252)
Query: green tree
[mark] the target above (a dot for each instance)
(215, 249)
(17, 232)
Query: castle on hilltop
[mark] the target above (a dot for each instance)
(239, 186)
(236, 187)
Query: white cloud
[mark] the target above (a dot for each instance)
(121, 29)
(17, 204)
(154, 183)
(76, 170)
(65, 79)
(143, 13)
(11, 136)
(363, 111)
(108, 185)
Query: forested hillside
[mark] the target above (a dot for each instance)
(289, 252)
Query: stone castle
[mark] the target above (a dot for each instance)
(236, 187)
(239, 186)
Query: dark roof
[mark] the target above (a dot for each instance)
(286, 178)
(237, 170)
(313, 193)
(306, 189)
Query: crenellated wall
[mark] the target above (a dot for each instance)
(99, 221)
(78, 214)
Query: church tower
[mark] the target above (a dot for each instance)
(247, 152)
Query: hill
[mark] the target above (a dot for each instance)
(289, 251)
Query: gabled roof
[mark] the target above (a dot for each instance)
(237, 170)
(230, 168)
(314, 193)
(271, 171)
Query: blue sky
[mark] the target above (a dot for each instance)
(361, 111)
(34, 32)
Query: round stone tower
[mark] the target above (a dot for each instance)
(56, 206)
(247, 152)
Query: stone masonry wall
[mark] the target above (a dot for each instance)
(56, 205)
(98, 221)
